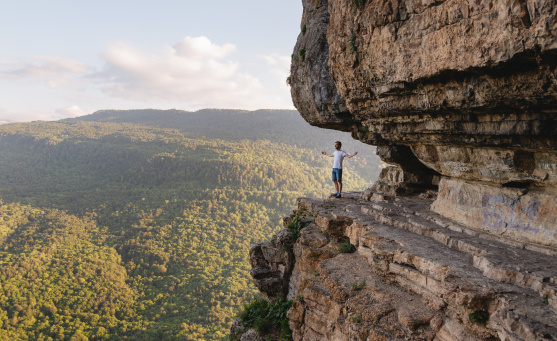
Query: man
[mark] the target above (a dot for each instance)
(339, 156)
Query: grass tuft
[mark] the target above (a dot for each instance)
(358, 286)
(359, 3)
(479, 317)
(347, 247)
(352, 42)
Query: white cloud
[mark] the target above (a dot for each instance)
(279, 66)
(71, 111)
(54, 71)
(193, 71)
(202, 48)
(278, 62)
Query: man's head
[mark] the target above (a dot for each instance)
(338, 144)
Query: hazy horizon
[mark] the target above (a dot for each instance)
(70, 59)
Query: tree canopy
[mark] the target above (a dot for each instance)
(137, 224)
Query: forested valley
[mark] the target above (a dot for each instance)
(137, 224)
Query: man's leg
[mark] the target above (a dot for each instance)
(339, 180)
(336, 186)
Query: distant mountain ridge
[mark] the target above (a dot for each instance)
(285, 126)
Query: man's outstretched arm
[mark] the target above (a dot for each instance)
(327, 154)
(349, 156)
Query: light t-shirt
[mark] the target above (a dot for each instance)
(339, 157)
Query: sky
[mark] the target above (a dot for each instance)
(62, 58)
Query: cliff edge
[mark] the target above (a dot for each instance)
(394, 270)
(457, 239)
(461, 96)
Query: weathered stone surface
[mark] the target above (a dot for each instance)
(422, 72)
(490, 165)
(333, 225)
(237, 329)
(446, 56)
(464, 89)
(394, 181)
(416, 276)
(461, 96)
(528, 215)
(347, 301)
(272, 265)
(250, 335)
(312, 247)
(312, 87)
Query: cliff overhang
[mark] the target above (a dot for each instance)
(457, 95)
(457, 240)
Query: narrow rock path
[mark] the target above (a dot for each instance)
(413, 276)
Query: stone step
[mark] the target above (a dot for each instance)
(447, 279)
(455, 270)
(498, 258)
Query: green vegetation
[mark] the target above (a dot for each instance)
(352, 42)
(359, 3)
(346, 247)
(479, 317)
(295, 226)
(545, 299)
(363, 129)
(302, 53)
(358, 286)
(267, 317)
(304, 29)
(137, 224)
(356, 319)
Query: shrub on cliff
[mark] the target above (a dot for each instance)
(267, 318)
(302, 54)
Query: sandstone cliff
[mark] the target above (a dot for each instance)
(411, 275)
(457, 240)
(460, 95)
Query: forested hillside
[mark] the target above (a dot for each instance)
(137, 224)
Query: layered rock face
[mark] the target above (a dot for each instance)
(457, 240)
(411, 274)
(459, 95)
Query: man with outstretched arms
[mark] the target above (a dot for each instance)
(339, 156)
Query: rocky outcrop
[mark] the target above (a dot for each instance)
(457, 94)
(414, 275)
(312, 86)
(457, 240)
(272, 265)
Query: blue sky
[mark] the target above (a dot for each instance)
(67, 58)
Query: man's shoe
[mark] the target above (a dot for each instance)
(338, 196)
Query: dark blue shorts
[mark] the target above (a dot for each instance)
(337, 174)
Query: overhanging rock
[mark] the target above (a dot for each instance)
(462, 91)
